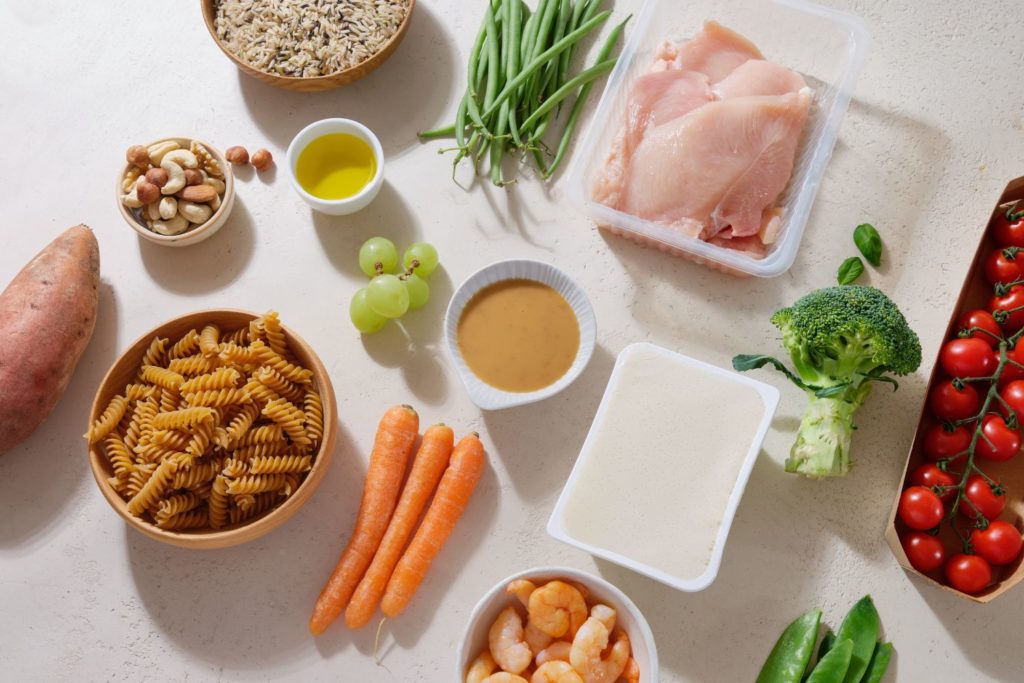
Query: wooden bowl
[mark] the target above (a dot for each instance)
(123, 372)
(195, 235)
(312, 83)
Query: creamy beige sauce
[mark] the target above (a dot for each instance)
(518, 335)
(654, 480)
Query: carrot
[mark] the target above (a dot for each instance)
(427, 468)
(395, 438)
(453, 493)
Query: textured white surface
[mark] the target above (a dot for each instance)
(933, 134)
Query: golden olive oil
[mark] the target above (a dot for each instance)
(336, 166)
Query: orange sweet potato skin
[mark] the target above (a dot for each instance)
(47, 316)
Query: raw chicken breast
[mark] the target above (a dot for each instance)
(720, 165)
(716, 51)
(758, 77)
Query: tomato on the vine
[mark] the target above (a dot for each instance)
(949, 403)
(924, 551)
(999, 442)
(985, 500)
(941, 443)
(1012, 372)
(1009, 233)
(930, 476)
(1006, 305)
(968, 357)
(982, 323)
(920, 508)
(1004, 265)
(1013, 395)
(968, 573)
(1000, 543)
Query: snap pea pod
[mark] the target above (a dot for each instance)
(788, 659)
(860, 627)
(879, 663)
(833, 666)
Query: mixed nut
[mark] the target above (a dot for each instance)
(172, 188)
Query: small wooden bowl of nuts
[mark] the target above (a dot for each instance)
(175, 191)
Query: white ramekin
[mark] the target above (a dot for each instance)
(336, 207)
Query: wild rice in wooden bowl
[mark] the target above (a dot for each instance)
(307, 45)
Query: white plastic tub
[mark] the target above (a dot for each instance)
(827, 46)
(655, 489)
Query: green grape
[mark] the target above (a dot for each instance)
(387, 296)
(377, 250)
(425, 254)
(419, 291)
(363, 317)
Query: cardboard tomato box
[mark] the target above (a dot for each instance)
(975, 293)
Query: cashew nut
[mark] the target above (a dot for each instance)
(168, 208)
(175, 177)
(182, 157)
(174, 226)
(131, 200)
(153, 211)
(214, 203)
(215, 183)
(157, 151)
(196, 213)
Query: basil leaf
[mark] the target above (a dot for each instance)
(851, 269)
(869, 242)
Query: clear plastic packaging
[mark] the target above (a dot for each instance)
(827, 46)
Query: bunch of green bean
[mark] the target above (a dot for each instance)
(518, 78)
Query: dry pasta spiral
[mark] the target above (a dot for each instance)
(280, 464)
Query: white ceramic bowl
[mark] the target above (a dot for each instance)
(336, 207)
(491, 398)
(629, 618)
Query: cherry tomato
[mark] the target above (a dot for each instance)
(986, 501)
(1004, 265)
(929, 476)
(1013, 395)
(924, 551)
(949, 403)
(1013, 299)
(968, 573)
(1003, 442)
(968, 357)
(939, 443)
(1009, 233)
(919, 508)
(982, 320)
(1000, 543)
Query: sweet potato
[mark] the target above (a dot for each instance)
(47, 315)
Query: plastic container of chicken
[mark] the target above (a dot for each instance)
(826, 47)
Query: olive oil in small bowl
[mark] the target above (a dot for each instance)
(336, 165)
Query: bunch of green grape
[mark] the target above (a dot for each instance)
(388, 295)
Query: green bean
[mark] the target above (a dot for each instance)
(515, 19)
(536, 63)
(833, 666)
(445, 132)
(792, 651)
(529, 34)
(493, 63)
(861, 627)
(879, 663)
(579, 79)
(566, 58)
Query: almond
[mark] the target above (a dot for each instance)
(199, 194)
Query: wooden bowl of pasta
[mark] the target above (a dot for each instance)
(212, 429)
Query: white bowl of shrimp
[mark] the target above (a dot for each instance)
(522, 630)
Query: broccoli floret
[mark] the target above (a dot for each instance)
(840, 340)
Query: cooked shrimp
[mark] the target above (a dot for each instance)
(557, 609)
(557, 651)
(535, 638)
(522, 589)
(482, 667)
(632, 672)
(555, 672)
(504, 677)
(586, 650)
(604, 614)
(505, 638)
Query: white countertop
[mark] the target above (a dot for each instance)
(932, 136)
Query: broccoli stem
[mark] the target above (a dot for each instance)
(822, 447)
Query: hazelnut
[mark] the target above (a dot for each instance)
(239, 156)
(193, 177)
(157, 176)
(147, 192)
(262, 159)
(138, 156)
